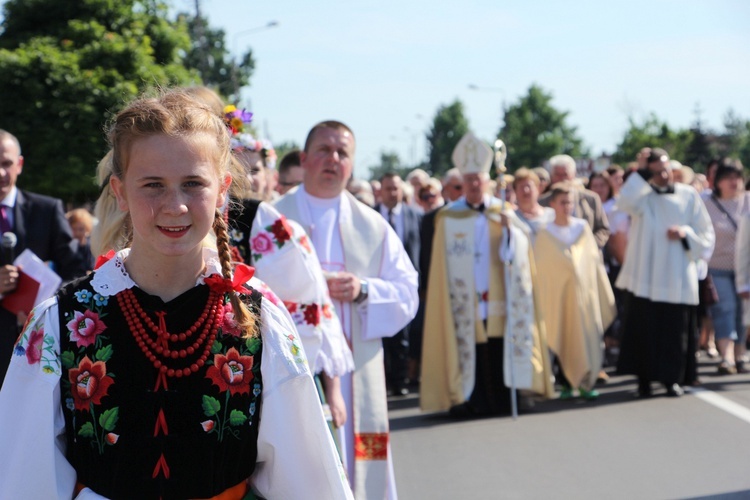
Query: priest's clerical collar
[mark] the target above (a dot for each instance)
(479, 207)
(668, 189)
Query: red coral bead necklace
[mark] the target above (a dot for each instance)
(157, 347)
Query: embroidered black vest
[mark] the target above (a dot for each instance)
(241, 219)
(130, 435)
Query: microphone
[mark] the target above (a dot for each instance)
(8, 244)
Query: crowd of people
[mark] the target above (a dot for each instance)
(232, 324)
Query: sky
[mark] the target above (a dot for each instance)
(384, 68)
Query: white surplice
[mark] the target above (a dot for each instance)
(657, 268)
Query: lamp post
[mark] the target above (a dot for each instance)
(235, 78)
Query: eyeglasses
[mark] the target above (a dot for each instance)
(457, 187)
(289, 184)
(427, 196)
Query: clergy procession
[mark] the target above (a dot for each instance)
(248, 321)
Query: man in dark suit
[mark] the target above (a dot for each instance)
(39, 224)
(406, 222)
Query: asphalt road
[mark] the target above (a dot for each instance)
(696, 446)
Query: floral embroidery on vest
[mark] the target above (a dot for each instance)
(232, 371)
(88, 381)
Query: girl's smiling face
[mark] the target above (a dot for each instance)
(171, 188)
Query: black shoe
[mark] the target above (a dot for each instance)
(675, 391)
(462, 412)
(644, 390)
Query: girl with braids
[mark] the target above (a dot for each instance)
(163, 374)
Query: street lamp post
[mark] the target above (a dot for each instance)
(235, 77)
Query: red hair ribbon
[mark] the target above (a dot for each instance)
(103, 258)
(242, 274)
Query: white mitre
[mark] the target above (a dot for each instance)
(472, 155)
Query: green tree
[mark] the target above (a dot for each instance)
(448, 126)
(389, 162)
(67, 67)
(652, 132)
(534, 130)
(210, 57)
(698, 152)
(736, 138)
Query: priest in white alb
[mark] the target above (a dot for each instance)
(670, 233)
(482, 332)
(373, 286)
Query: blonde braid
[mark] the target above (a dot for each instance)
(245, 318)
(113, 231)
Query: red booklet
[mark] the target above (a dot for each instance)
(22, 299)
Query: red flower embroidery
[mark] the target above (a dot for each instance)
(34, 349)
(236, 255)
(291, 307)
(232, 372)
(228, 324)
(485, 296)
(312, 314)
(89, 383)
(262, 244)
(208, 425)
(112, 437)
(305, 243)
(281, 230)
(327, 311)
(84, 327)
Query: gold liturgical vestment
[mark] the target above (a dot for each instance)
(576, 301)
(452, 326)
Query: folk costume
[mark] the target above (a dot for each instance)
(660, 278)
(481, 307)
(349, 236)
(576, 298)
(115, 403)
(279, 249)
